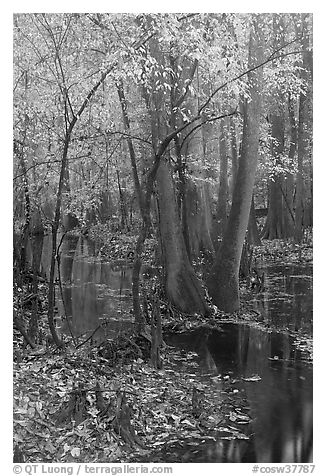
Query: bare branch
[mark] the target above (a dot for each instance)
(131, 136)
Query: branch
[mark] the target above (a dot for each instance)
(65, 32)
(188, 15)
(284, 46)
(211, 119)
(93, 91)
(97, 22)
(125, 134)
(135, 45)
(119, 36)
(48, 163)
(57, 59)
(260, 65)
(164, 144)
(89, 337)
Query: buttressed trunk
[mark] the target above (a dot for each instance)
(223, 281)
(182, 286)
(198, 218)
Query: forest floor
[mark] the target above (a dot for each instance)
(108, 404)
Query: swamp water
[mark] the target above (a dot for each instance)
(261, 372)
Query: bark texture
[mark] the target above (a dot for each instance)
(182, 286)
(223, 281)
(221, 214)
(199, 218)
(253, 233)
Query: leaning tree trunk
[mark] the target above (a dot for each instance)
(131, 148)
(182, 286)
(223, 281)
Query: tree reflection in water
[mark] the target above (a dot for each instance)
(280, 403)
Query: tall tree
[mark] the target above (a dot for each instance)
(302, 125)
(280, 213)
(223, 281)
(221, 213)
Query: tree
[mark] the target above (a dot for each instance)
(274, 227)
(181, 284)
(221, 213)
(223, 281)
(306, 75)
(279, 223)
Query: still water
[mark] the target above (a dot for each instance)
(279, 403)
(95, 293)
(286, 301)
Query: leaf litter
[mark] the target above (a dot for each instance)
(161, 404)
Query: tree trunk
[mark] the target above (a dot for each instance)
(122, 199)
(55, 227)
(273, 226)
(131, 148)
(288, 183)
(37, 246)
(182, 286)
(21, 255)
(305, 98)
(253, 233)
(221, 214)
(234, 152)
(274, 223)
(199, 220)
(287, 188)
(298, 232)
(223, 281)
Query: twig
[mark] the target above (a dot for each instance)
(89, 337)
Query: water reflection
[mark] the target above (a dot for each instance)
(280, 403)
(287, 299)
(93, 292)
(99, 293)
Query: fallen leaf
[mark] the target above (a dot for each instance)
(253, 378)
(75, 452)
